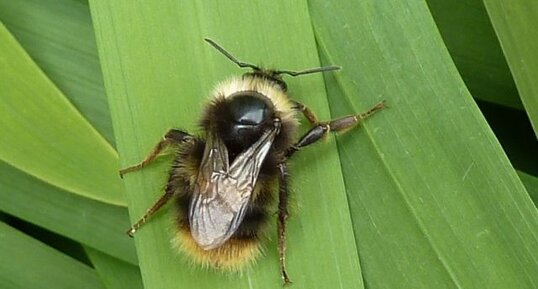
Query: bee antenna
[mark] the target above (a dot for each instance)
(230, 56)
(308, 71)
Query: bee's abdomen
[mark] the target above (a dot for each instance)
(240, 250)
(244, 246)
(234, 255)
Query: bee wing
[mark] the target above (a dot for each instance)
(222, 191)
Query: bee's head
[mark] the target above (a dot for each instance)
(272, 75)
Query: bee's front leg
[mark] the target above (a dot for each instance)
(173, 136)
(323, 128)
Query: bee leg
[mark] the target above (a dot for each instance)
(336, 125)
(282, 218)
(307, 112)
(173, 136)
(152, 210)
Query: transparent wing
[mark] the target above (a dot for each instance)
(222, 191)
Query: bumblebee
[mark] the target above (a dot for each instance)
(224, 181)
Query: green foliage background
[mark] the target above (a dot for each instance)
(423, 195)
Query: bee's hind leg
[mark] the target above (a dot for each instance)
(282, 218)
(169, 193)
(323, 128)
(173, 136)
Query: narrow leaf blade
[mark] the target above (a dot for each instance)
(60, 39)
(71, 154)
(96, 224)
(515, 23)
(24, 260)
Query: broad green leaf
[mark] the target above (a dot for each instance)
(114, 273)
(60, 39)
(515, 23)
(434, 200)
(45, 136)
(101, 226)
(28, 263)
(475, 49)
(158, 71)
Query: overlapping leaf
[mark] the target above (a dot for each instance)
(45, 136)
(515, 23)
(24, 260)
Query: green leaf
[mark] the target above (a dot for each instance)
(515, 23)
(114, 273)
(158, 75)
(45, 136)
(434, 200)
(90, 222)
(60, 39)
(475, 49)
(28, 263)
